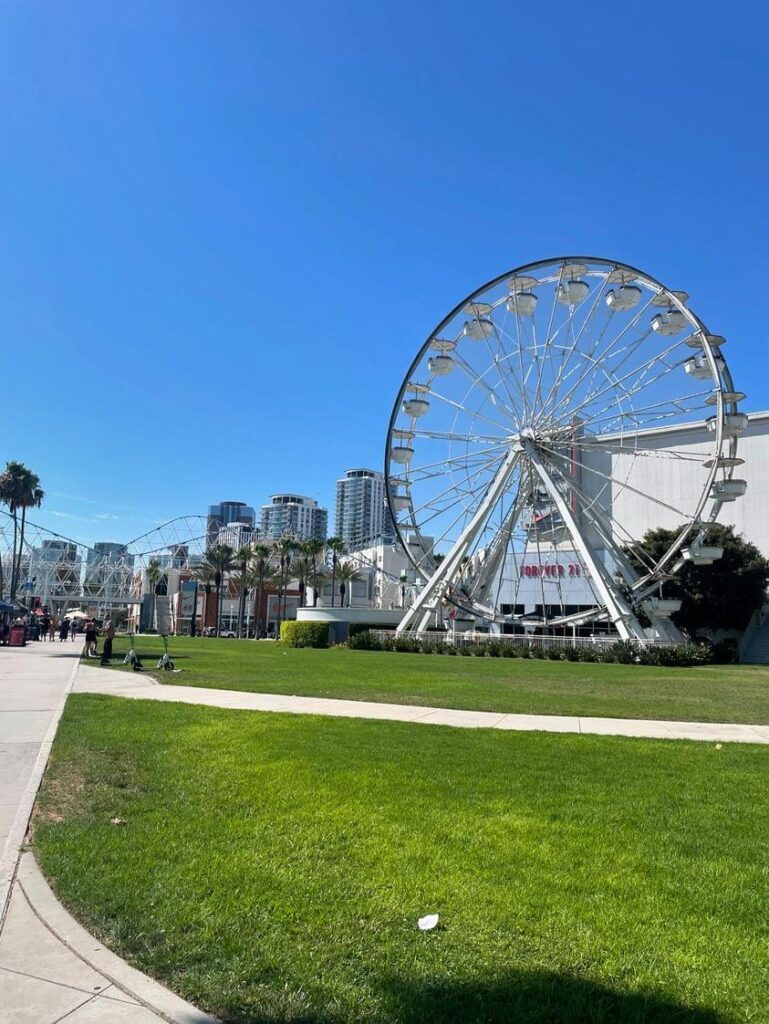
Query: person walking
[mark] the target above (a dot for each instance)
(63, 630)
(89, 649)
(109, 635)
(52, 629)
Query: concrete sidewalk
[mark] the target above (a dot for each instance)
(51, 969)
(136, 686)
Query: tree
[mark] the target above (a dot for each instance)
(313, 548)
(19, 490)
(316, 580)
(154, 572)
(265, 573)
(336, 547)
(301, 569)
(346, 573)
(285, 548)
(204, 573)
(243, 557)
(723, 595)
(221, 559)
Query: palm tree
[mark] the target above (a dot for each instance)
(285, 547)
(302, 568)
(316, 580)
(19, 489)
(336, 547)
(346, 573)
(264, 572)
(312, 549)
(243, 557)
(154, 572)
(204, 574)
(221, 558)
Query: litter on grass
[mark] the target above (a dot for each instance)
(427, 923)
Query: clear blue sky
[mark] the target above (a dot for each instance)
(227, 227)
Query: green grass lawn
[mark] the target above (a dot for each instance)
(272, 867)
(719, 693)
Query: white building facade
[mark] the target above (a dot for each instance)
(293, 515)
(361, 508)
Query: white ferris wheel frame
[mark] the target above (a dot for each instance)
(616, 600)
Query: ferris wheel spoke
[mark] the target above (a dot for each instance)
(548, 335)
(616, 384)
(462, 408)
(451, 460)
(450, 493)
(642, 451)
(448, 435)
(597, 358)
(624, 485)
(479, 378)
(645, 418)
(499, 333)
(552, 394)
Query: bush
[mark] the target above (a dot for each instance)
(304, 634)
(363, 640)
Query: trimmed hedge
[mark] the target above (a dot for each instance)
(623, 652)
(304, 634)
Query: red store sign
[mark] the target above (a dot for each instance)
(571, 569)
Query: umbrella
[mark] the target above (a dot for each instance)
(75, 613)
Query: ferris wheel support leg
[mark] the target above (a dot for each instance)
(627, 625)
(431, 594)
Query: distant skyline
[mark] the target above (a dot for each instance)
(227, 229)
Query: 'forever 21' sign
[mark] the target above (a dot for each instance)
(554, 570)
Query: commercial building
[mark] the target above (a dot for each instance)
(293, 515)
(361, 508)
(224, 513)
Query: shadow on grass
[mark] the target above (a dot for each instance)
(524, 997)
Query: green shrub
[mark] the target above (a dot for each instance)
(364, 641)
(304, 634)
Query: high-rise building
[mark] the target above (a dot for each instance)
(361, 509)
(293, 515)
(223, 514)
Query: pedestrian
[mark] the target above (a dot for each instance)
(89, 649)
(109, 635)
(52, 629)
(73, 628)
(43, 628)
(63, 630)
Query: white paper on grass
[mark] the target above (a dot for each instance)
(428, 922)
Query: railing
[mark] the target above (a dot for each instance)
(470, 639)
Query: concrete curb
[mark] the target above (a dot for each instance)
(13, 844)
(149, 993)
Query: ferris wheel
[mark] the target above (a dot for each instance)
(549, 420)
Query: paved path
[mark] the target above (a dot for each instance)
(51, 969)
(125, 684)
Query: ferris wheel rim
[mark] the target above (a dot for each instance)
(590, 265)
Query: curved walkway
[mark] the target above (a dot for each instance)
(51, 969)
(133, 685)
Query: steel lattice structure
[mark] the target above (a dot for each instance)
(63, 572)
